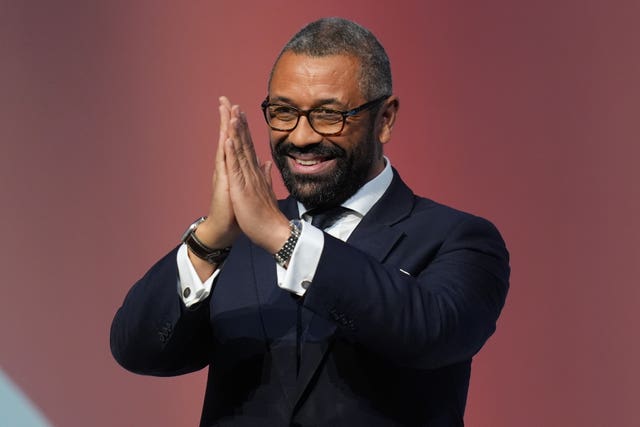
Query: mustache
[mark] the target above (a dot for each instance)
(320, 149)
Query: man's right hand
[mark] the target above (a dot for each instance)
(220, 228)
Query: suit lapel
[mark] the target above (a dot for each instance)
(375, 236)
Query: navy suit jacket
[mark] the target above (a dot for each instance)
(391, 322)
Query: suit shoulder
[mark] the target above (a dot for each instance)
(425, 207)
(446, 218)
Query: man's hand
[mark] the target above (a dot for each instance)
(242, 196)
(254, 203)
(220, 229)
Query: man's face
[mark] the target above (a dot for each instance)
(321, 170)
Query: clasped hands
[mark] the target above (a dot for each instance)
(242, 198)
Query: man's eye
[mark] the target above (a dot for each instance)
(327, 116)
(283, 113)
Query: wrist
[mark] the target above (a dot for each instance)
(277, 236)
(208, 234)
(197, 247)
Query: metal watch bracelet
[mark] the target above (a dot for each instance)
(284, 254)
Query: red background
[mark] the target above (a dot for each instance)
(522, 112)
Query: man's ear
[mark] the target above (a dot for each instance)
(387, 118)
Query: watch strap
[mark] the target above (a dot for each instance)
(199, 249)
(284, 254)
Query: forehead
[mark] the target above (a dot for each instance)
(305, 78)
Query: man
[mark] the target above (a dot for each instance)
(369, 319)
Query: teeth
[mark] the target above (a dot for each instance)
(307, 162)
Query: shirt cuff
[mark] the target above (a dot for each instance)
(190, 288)
(301, 269)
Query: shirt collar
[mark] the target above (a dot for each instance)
(367, 196)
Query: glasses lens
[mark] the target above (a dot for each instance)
(282, 117)
(326, 121)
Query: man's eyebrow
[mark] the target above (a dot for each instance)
(282, 99)
(316, 104)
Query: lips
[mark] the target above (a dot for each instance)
(310, 159)
(307, 162)
(310, 165)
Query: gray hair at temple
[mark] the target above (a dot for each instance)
(338, 36)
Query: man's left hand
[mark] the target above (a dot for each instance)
(254, 203)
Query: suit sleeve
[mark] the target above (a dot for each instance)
(153, 333)
(439, 311)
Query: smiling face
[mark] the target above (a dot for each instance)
(321, 170)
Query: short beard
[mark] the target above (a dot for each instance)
(350, 174)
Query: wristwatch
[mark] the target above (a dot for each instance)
(284, 254)
(199, 249)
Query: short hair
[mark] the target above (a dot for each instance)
(339, 36)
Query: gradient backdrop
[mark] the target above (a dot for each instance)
(526, 112)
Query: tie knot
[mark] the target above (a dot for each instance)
(325, 217)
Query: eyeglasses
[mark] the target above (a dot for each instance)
(324, 121)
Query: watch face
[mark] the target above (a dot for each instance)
(186, 234)
(192, 227)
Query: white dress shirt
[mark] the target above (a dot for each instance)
(299, 274)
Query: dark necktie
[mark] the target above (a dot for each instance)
(324, 218)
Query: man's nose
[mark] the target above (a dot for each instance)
(303, 134)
